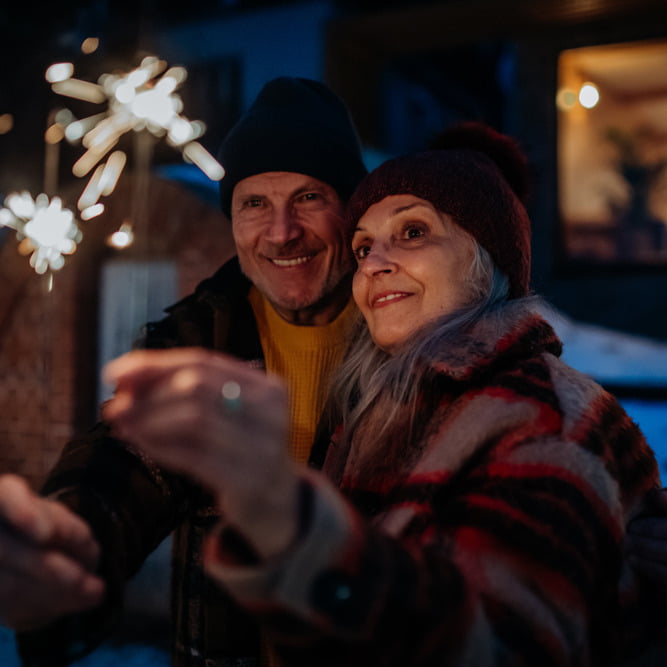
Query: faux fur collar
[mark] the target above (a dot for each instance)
(513, 331)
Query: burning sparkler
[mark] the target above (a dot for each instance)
(143, 99)
(45, 229)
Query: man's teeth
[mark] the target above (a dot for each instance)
(290, 262)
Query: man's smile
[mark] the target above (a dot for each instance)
(293, 261)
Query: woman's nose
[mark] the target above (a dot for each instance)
(378, 260)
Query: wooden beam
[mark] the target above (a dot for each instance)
(428, 27)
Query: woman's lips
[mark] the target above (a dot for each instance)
(387, 298)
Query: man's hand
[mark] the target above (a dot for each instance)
(47, 556)
(646, 541)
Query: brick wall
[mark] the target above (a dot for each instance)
(48, 339)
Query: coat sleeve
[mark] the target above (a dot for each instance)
(516, 562)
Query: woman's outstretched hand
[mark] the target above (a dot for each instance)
(220, 422)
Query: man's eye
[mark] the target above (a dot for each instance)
(252, 203)
(310, 196)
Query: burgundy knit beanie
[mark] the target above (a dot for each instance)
(478, 177)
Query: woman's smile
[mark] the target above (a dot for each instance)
(387, 298)
(412, 267)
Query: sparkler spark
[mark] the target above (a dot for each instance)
(142, 99)
(45, 229)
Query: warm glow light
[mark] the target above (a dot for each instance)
(122, 238)
(90, 45)
(74, 131)
(6, 123)
(92, 191)
(566, 99)
(92, 211)
(64, 117)
(181, 131)
(80, 90)
(156, 106)
(112, 171)
(59, 72)
(589, 96)
(54, 134)
(204, 160)
(125, 92)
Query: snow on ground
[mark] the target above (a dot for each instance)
(108, 655)
(610, 356)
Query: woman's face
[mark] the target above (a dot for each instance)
(412, 266)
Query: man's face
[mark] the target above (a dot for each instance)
(290, 239)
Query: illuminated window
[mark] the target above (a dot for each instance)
(612, 152)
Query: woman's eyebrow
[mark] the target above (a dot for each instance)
(407, 207)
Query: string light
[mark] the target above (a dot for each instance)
(589, 95)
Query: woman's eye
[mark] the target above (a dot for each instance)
(361, 252)
(413, 232)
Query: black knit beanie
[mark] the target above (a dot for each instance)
(479, 178)
(295, 125)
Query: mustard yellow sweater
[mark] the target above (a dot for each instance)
(305, 357)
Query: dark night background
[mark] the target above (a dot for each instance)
(406, 70)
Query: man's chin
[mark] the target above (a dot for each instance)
(300, 302)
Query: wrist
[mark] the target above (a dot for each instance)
(249, 542)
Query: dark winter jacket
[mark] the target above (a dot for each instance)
(132, 505)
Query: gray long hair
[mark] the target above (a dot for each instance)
(369, 371)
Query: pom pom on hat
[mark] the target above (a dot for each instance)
(502, 149)
(471, 178)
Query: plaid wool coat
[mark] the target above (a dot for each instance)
(489, 533)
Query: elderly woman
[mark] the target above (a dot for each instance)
(473, 497)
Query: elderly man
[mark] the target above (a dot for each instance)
(283, 304)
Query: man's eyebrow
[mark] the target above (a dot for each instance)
(245, 195)
(309, 187)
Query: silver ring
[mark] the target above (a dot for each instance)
(231, 396)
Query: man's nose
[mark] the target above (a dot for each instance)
(283, 226)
